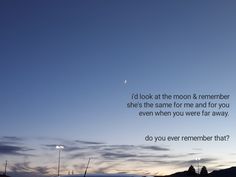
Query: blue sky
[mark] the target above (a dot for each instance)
(62, 69)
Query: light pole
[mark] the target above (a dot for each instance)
(198, 160)
(5, 172)
(59, 147)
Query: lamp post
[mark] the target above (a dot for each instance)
(5, 172)
(198, 160)
(59, 147)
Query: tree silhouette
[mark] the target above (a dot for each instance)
(191, 171)
(204, 171)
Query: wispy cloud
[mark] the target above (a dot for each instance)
(113, 155)
(6, 149)
(26, 170)
(155, 148)
(106, 158)
(11, 138)
(108, 152)
(197, 149)
(202, 161)
(89, 142)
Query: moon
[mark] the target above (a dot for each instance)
(125, 81)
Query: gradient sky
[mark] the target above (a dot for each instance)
(62, 67)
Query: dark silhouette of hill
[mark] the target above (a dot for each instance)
(229, 172)
(4, 175)
(180, 174)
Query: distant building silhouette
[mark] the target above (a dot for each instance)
(191, 171)
(204, 171)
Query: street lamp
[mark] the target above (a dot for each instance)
(59, 147)
(5, 172)
(198, 160)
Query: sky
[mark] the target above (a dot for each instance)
(62, 70)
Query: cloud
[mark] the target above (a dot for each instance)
(80, 148)
(51, 146)
(81, 155)
(42, 170)
(25, 170)
(73, 145)
(11, 138)
(106, 157)
(143, 157)
(150, 160)
(67, 148)
(112, 155)
(155, 148)
(20, 167)
(234, 154)
(72, 148)
(193, 153)
(6, 149)
(197, 149)
(135, 147)
(202, 161)
(89, 142)
(105, 169)
(112, 152)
